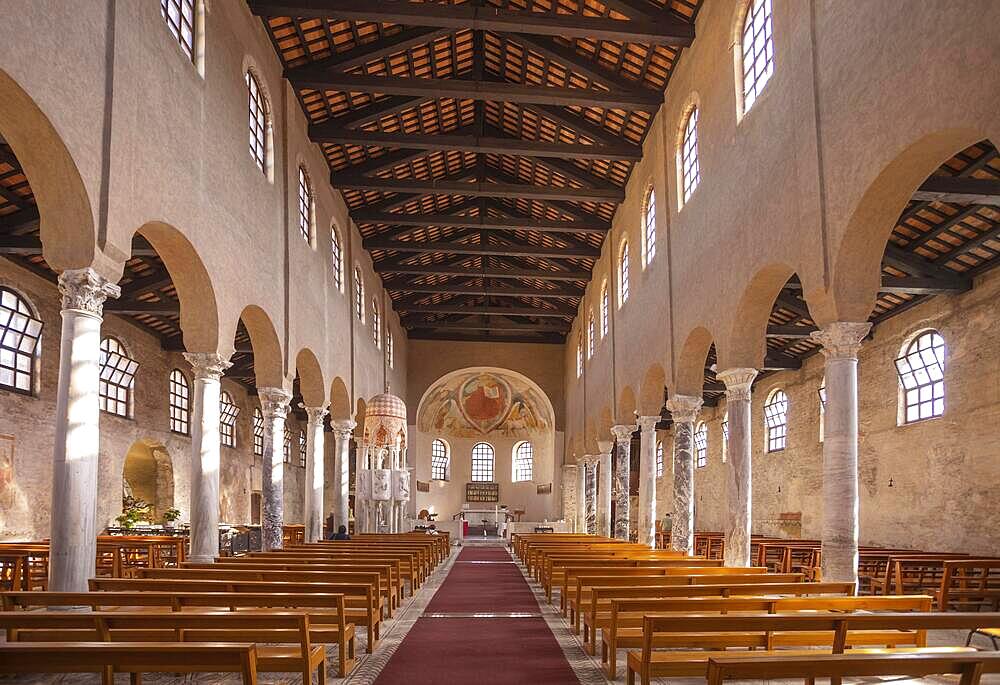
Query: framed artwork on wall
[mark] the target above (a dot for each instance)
(544, 489)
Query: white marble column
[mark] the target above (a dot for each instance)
(73, 548)
(647, 480)
(684, 410)
(206, 453)
(581, 494)
(314, 473)
(623, 446)
(604, 523)
(274, 406)
(841, 341)
(739, 471)
(342, 432)
(591, 495)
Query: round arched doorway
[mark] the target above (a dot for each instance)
(148, 475)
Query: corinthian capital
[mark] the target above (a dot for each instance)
(841, 339)
(274, 402)
(605, 447)
(738, 382)
(622, 432)
(207, 365)
(647, 424)
(343, 429)
(86, 290)
(316, 414)
(684, 408)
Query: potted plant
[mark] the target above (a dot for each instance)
(169, 516)
(133, 511)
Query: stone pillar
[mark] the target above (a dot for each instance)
(342, 432)
(581, 494)
(274, 406)
(738, 469)
(73, 548)
(647, 480)
(568, 488)
(591, 464)
(604, 523)
(841, 341)
(623, 440)
(314, 473)
(683, 409)
(206, 454)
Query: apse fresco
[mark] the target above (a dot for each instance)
(481, 402)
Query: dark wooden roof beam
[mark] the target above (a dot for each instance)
(487, 326)
(363, 216)
(449, 288)
(478, 249)
(481, 310)
(510, 190)
(539, 274)
(365, 53)
(959, 190)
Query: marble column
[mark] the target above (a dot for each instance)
(684, 410)
(647, 480)
(623, 445)
(206, 453)
(73, 547)
(342, 432)
(739, 470)
(592, 495)
(604, 523)
(841, 341)
(314, 473)
(274, 406)
(581, 494)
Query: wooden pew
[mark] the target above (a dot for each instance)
(708, 634)
(621, 627)
(409, 566)
(560, 570)
(328, 621)
(135, 658)
(837, 666)
(912, 572)
(277, 630)
(415, 560)
(360, 600)
(970, 584)
(549, 562)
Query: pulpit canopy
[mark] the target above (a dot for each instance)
(385, 422)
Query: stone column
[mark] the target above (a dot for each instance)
(581, 494)
(623, 444)
(604, 524)
(342, 431)
(739, 470)
(274, 406)
(206, 454)
(841, 341)
(73, 547)
(314, 473)
(592, 495)
(568, 488)
(683, 409)
(647, 480)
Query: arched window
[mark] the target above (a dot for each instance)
(649, 228)
(440, 460)
(180, 403)
(591, 334)
(179, 15)
(758, 51)
(228, 411)
(690, 170)
(359, 295)
(302, 448)
(338, 260)
(117, 378)
(776, 420)
(482, 463)
(390, 351)
(579, 358)
(605, 314)
(623, 275)
(701, 445)
(921, 377)
(20, 332)
(659, 458)
(305, 206)
(258, 432)
(287, 447)
(376, 324)
(725, 436)
(524, 459)
(258, 122)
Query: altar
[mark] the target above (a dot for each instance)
(494, 516)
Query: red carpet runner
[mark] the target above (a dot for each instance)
(484, 651)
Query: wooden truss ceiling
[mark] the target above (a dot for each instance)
(482, 147)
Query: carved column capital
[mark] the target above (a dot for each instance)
(605, 447)
(85, 290)
(622, 432)
(684, 408)
(647, 424)
(841, 339)
(343, 429)
(738, 382)
(315, 414)
(207, 365)
(274, 402)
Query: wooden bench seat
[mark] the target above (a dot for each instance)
(561, 574)
(409, 567)
(698, 632)
(135, 658)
